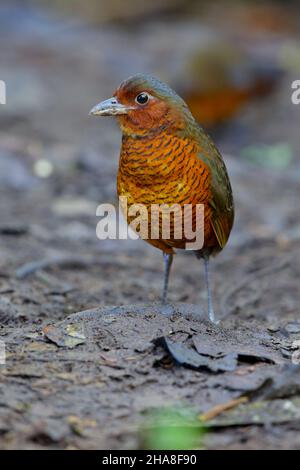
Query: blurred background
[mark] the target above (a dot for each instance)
(233, 62)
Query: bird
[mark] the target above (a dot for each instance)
(167, 158)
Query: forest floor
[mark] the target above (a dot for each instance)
(96, 379)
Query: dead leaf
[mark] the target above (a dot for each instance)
(68, 336)
(188, 357)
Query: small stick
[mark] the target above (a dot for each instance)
(218, 409)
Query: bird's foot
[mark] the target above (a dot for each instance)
(212, 318)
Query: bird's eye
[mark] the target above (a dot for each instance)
(142, 98)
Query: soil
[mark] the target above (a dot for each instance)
(90, 351)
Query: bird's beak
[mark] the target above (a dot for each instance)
(110, 107)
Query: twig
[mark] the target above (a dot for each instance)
(62, 261)
(67, 261)
(218, 409)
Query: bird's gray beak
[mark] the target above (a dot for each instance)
(110, 107)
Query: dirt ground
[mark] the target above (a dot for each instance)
(90, 380)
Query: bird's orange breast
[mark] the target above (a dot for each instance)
(165, 169)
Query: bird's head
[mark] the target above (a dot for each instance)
(144, 105)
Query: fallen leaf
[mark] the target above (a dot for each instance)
(68, 336)
(188, 357)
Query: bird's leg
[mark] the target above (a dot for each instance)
(211, 313)
(168, 258)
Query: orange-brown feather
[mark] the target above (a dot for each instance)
(166, 169)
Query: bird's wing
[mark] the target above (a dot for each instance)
(222, 199)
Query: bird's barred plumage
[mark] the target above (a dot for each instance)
(165, 170)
